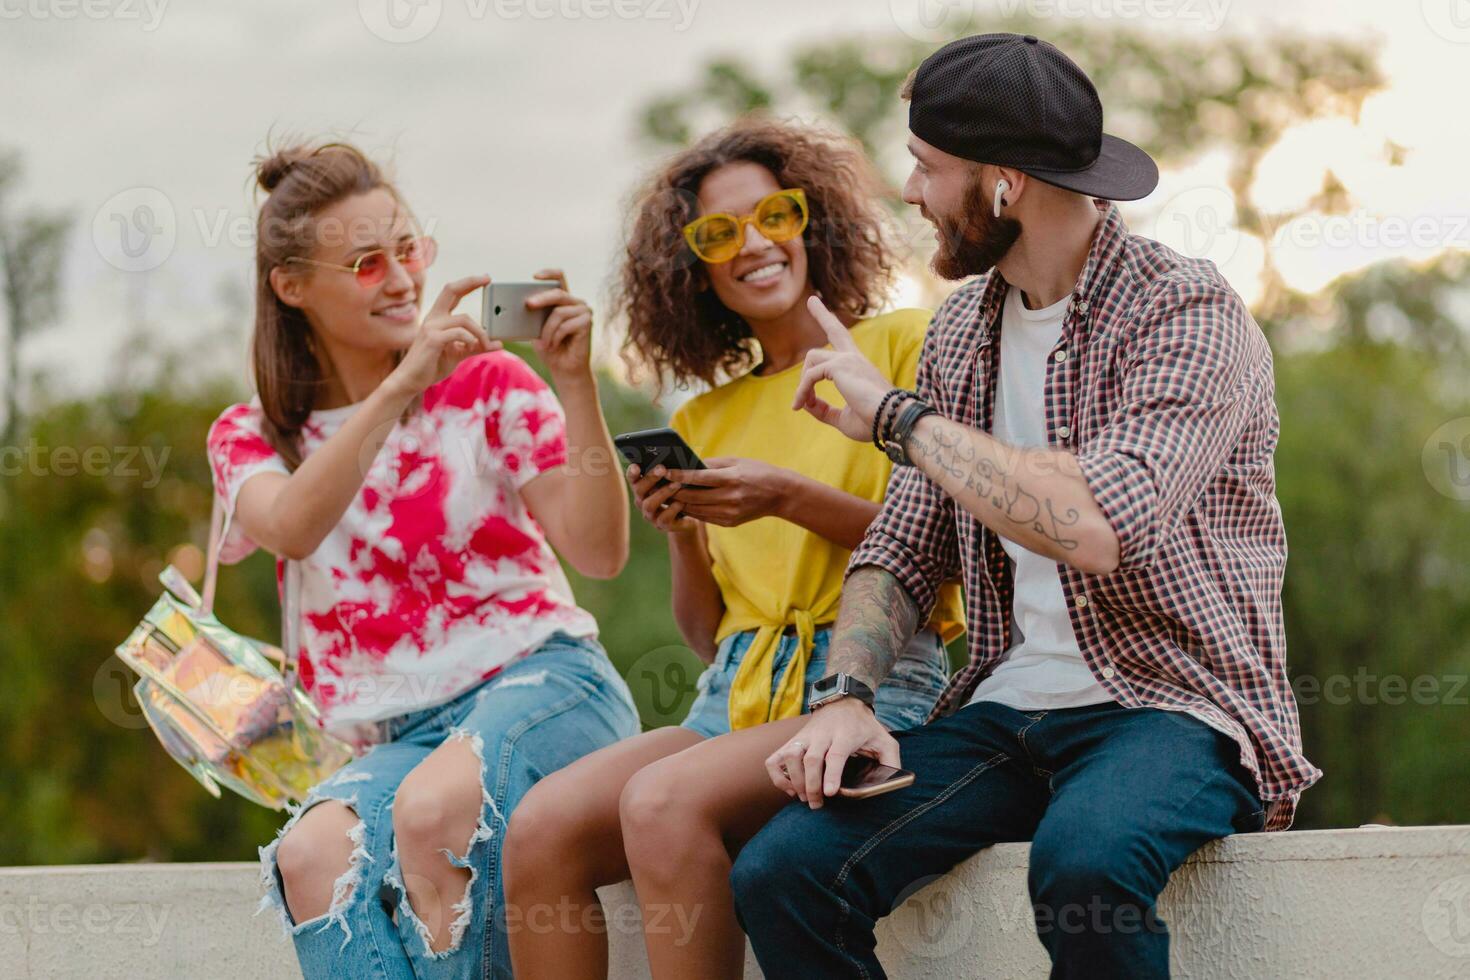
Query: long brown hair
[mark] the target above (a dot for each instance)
(678, 330)
(299, 180)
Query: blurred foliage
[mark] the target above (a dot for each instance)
(1377, 593)
(31, 245)
(1377, 582)
(1176, 97)
(84, 779)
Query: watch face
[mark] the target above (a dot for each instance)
(824, 686)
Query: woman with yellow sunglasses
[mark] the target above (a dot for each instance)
(731, 238)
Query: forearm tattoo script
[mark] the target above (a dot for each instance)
(953, 454)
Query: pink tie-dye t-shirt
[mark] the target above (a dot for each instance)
(437, 575)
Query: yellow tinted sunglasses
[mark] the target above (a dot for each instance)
(718, 237)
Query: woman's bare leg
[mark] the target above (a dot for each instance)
(684, 817)
(312, 855)
(436, 809)
(563, 842)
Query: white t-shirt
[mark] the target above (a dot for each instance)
(1044, 667)
(437, 575)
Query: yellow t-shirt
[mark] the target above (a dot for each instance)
(768, 569)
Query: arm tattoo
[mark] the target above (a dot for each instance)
(875, 622)
(955, 456)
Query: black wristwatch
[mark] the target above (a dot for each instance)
(835, 686)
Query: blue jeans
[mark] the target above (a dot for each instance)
(1112, 800)
(903, 700)
(539, 713)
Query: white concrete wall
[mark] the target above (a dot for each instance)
(1367, 903)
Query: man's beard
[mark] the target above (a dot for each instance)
(977, 241)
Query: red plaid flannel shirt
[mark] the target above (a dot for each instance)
(1161, 385)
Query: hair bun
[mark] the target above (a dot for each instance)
(273, 169)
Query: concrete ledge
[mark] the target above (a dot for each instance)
(1374, 902)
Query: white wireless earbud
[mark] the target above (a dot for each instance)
(1001, 186)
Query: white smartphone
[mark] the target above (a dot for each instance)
(505, 316)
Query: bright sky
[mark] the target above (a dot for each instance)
(510, 124)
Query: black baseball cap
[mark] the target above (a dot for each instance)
(1013, 100)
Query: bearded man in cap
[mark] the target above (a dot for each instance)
(1090, 445)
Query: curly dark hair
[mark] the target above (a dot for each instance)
(678, 329)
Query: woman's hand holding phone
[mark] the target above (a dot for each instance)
(565, 343)
(731, 491)
(444, 340)
(653, 496)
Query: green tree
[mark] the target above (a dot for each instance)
(1175, 97)
(1377, 595)
(31, 244)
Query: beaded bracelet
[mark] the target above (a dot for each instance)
(903, 426)
(878, 415)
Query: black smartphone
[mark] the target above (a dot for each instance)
(652, 447)
(863, 777)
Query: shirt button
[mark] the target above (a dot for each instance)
(1080, 601)
(1082, 307)
(1108, 673)
(1063, 431)
(1059, 356)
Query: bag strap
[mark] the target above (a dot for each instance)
(211, 557)
(291, 621)
(219, 527)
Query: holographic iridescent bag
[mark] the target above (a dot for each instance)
(216, 700)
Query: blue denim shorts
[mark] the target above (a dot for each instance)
(903, 700)
(536, 715)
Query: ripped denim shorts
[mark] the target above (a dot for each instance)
(538, 714)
